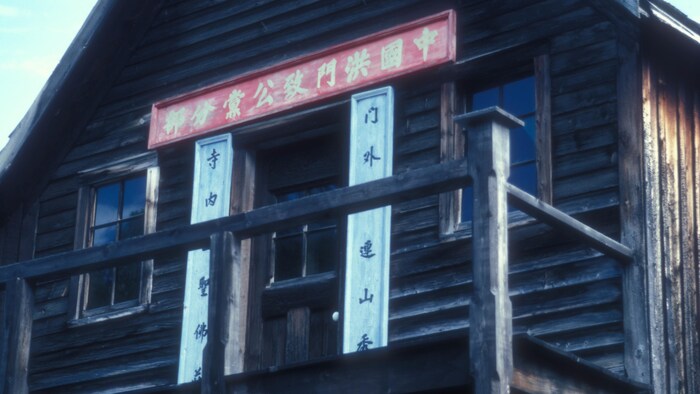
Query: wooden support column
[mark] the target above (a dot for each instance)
(224, 305)
(633, 222)
(19, 301)
(490, 315)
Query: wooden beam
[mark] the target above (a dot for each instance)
(632, 222)
(451, 148)
(225, 254)
(401, 187)
(558, 219)
(19, 303)
(652, 228)
(543, 129)
(490, 313)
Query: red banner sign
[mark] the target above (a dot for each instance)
(401, 50)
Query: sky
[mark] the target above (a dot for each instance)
(34, 34)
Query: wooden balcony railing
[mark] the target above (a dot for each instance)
(490, 336)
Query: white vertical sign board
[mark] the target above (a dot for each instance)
(366, 312)
(211, 197)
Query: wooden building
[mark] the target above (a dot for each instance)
(126, 265)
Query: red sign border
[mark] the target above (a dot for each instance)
(450, 15)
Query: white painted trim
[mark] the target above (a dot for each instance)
(207, 182)
(368, 277)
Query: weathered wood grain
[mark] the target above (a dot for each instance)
(694, 369)
(670, 228)
(16, 339)
(688, 248)
(451, 148)
(631, 150)
(490, 318)
(298, 327)
(225, 255)
(543, 124)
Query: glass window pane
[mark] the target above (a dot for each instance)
(522, 142)
(104, 235)
(323, 188)
(290, 196)
(288, 257)
(467, 204)
(127, 282)
(519, 96)
(107, 204)
(485, 99)
(134, 197)
(131, 228)
(321, 251)
(100, 288)
(524, 176)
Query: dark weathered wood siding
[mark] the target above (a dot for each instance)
(672, 165)
(561, 291)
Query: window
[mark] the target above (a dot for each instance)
(518, 98)
(527, 96)
(119, 211)
(116, 202)
(308, 249)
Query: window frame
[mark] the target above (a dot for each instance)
(453, 101)
(90, 180)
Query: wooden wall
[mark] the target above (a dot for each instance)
(561, 291)
(672, 138)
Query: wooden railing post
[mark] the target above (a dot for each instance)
(490, 333)
(224, 312)
(17, 336)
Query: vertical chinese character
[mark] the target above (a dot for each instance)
(201, 331)
(366, 250)
(364, 343)
(292, 85)
(367, 298)
(357, 64)
(372, 115)
(174, 120)
(197, 375)
(370, 157)
(201, 113)
(263, 94)
(424, 42)
(326, 69)
(213, 158)
(203, 285)
(392, 54)
(211, 200)
(234, 104)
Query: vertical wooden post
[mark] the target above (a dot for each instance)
(223, 304)
(652, 230)
(543, 103)
(632, 211)
(19, 302)
(490, 333)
